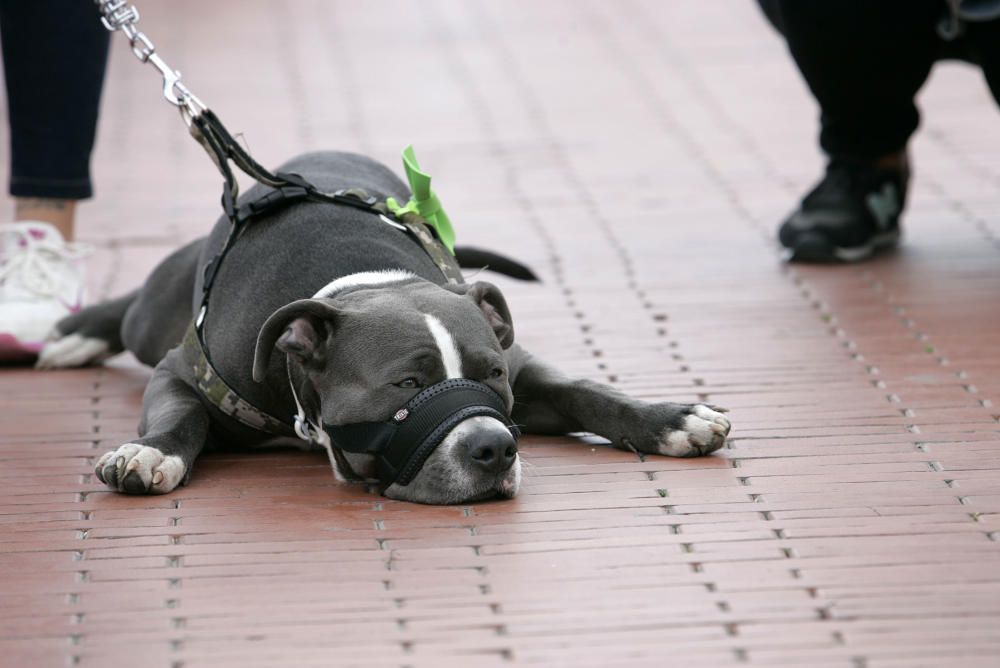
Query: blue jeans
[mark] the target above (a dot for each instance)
(54, 56)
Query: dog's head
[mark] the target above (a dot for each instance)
(364, 347)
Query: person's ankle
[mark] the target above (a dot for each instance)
(893, 161)
(897, 161)
(60, 213)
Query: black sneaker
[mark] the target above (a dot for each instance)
(850, 214)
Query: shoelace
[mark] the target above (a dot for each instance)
(34, 264)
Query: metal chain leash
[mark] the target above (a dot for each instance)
(119, 15)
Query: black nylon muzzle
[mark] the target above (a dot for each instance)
(403, 443)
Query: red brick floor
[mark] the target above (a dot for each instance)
(639, 156)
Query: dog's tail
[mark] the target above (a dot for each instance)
(478, 258)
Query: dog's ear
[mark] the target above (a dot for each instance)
(491, 302)
(296, 329)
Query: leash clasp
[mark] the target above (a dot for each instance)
(119, 15)
(304, 430)
(174, 91)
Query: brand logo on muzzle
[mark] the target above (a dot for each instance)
(402, 444)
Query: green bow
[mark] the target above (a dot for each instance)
(424, 202)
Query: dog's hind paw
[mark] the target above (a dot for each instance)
(703, 430)
(140, 469)
(72, 350)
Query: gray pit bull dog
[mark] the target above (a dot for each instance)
(364, 321)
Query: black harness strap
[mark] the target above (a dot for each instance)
(288, 188)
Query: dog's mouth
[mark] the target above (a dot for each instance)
(449, 487)
(505, 487)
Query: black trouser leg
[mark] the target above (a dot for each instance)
(864, 61)
(54, 54)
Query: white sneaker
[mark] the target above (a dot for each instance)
(41, 282)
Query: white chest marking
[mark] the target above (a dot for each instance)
(449, 351)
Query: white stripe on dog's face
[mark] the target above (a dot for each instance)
(446, 344)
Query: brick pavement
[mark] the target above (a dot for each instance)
(638, 156)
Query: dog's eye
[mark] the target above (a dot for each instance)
(496, 373)
(409, 384)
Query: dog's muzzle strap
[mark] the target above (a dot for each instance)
(403, 443)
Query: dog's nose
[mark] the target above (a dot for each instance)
(493, 452)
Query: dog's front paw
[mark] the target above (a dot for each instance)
(72, 350)
(140, 469)
(683, 430)
(702, 431)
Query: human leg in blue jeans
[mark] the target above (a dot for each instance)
(864, 63)
(54, 54)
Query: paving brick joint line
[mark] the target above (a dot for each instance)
(639, 157)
